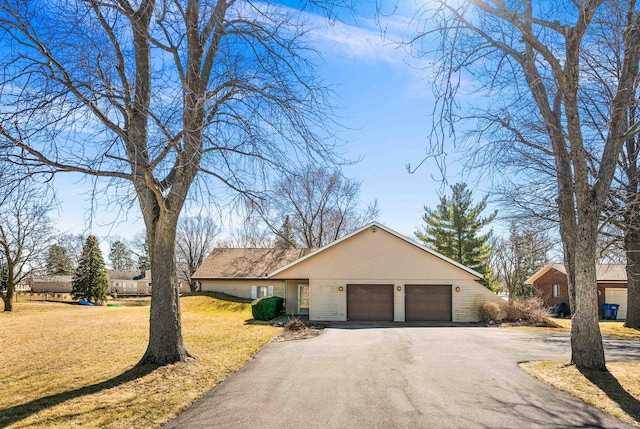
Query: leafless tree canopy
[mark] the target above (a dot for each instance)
(25, 234)
(528, 59)
(321, 205)
(150, 94)
(194, 241)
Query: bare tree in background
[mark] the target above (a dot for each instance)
(320, 204)
(25, 234)
(149, 95)
(530, 67)
(517, 257)
(73, 243)
(195, 239)
(139, 246)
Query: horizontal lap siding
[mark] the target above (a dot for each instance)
(466, 303)
(327, 302)
(242, 288)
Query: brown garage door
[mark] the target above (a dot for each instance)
(370, 302)
(427, 303)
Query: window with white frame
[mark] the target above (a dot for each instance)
(556, 291)
(261, 291)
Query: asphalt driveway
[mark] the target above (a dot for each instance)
(409, 377)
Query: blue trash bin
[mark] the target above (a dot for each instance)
(607, 311)
(614, 311)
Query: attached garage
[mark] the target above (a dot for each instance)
(370, 302)
(377, 274)
(428, 303)
(617, 296)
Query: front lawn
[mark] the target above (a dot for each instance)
(617, 392)
(73, 366)
(608, 328)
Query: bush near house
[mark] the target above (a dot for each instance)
(489, 313)
(267, 308)
(531, 311)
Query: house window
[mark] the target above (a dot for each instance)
(261, 291)
(556, 291)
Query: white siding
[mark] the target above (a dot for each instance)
(241, 288)
(398, 303)
(382, 258)
(326, 301)
(466, 303)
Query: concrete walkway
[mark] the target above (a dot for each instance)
(410, 377)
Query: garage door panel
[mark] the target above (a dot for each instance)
(370, 302)
(617, 296)
(427, 303)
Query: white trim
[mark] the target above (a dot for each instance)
(390, 231)
(300, 286)
(254, 292)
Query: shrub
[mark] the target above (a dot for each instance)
(295, 325)
(267, 308)
(489, 312)
(530, 311)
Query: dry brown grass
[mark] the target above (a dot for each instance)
(608, 328)
(616, 392)
(74, 366)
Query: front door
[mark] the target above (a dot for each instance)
(303, 299)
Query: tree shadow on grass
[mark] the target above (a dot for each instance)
(612, 388)
(14, 414)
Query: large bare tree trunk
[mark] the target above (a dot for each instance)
(587, 350)
(8, 298)
(632, 249)
(165, 333)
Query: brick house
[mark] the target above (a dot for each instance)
(550, 283)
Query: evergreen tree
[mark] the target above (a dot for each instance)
(285, 237)
(90, 279)
(58, 261)
(453, 229)
(120, 256)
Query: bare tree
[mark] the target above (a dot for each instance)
(517, 257)
(321, 205)
(530, 67)
(25, 234)
(149, 94)
(194, 241)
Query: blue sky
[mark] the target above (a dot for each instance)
(384, 99)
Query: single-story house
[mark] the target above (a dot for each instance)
(54, 284)
(550, 283)
(373, 273)
(129, 282)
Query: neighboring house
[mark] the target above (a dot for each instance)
(373, 273)
(550, 283)
(55, 284)
(129, 282)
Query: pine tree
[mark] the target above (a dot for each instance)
(58, 262)
(285, 236)
(453, 229)
(120, 257)
(90, 279)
